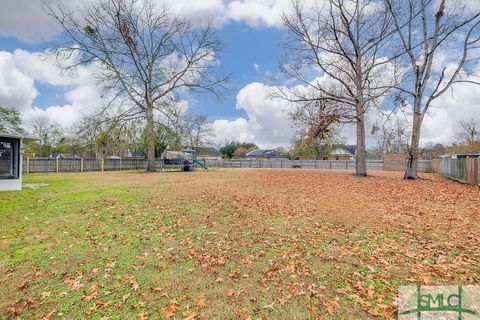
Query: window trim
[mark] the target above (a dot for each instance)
(15, 161)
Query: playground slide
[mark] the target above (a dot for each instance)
(201, 164)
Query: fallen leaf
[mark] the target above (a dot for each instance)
(51, 315)
(135, 285)
(143, 315)
(170, 310)
(190, 315)
(16, 311)
(201, 303)
(269, 306)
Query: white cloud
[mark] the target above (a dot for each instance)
(63, 116)
(198, 10)
(25, 20)
(20, 70)
(17, 89)
(238, 130)
(267, 124)
(258, 12)
(43, 67)
(263, 12)
(441, 121)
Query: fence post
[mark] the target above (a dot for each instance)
(28, 165)
(478, 171)
(57, 162)
(81, 165)
(346, 164)
(102, 164)
(121, 164)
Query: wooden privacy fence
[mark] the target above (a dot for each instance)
(462, 170)
(289, 164)
(34, 165)
(424, 165)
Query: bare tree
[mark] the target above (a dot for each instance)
(198, 130)
(468, 132)
(346, 42)
(428, 30)
(316, 119)
(145, 57)
(393, 130)
(48, 134)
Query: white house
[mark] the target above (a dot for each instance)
(11, 148)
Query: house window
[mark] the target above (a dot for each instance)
(9, 158)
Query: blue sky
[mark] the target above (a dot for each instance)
(246, 47)
(252, 32)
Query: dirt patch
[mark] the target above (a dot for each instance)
(35, 185)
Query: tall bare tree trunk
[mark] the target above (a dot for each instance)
(150, 132)
(411, 172)
(361, 162)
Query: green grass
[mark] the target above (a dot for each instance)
(78, 248)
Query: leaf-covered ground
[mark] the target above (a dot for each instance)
(239, 244)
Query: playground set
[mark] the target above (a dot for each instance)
(186, 159)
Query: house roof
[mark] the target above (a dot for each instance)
(341, 152)
(265, 153)
(471, 148)
(17, 136)
(207, 152)
(352, 149)
(461, 155)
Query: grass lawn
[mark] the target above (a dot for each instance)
(231, 244)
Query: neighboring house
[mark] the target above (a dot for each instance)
(264, 154)
(113, 157)
(343, 153)
(132, 154)
(352, 149)
(462, 156)
(205, 153)
(66, 156)
(459, 152)
(11, 148)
